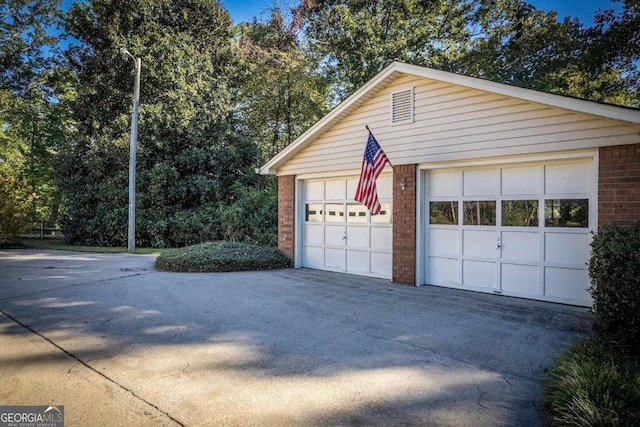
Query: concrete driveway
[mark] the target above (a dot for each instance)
(118, 343)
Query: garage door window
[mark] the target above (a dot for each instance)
(335, 212)
(443, 212)
(313, 212)
(566, 213)
(356, 213)
(480, 212)
(384, 217)
(519, 213)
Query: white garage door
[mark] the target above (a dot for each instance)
(340, 234)
(516, 230)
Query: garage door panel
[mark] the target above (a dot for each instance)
(357, 261)
(567, 248)
(334, 235)
(520, 279)
(443, 271)
(314, 190)
(478, 274)
(479, 243)
(381, 238)
(520, 246)
(567, 179)
(381, 264)
(444, 241)
(384, 185)
(444, 184)
(313, 257)
(520, 181)
(335, 190)
(334, 259)
(358, 237)
(567, 283)
(352, 186)
(314, 234)
(480, 183)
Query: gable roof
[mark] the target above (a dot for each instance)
(398, 69)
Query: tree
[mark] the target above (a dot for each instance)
(517, 44)
(282, 94)
(606, 66)
(16, 201)
(33, 117)
(354, 40)
(190, 151)
(507, 41)
(25, 42)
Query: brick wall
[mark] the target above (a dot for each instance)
(404, 225)
(619, 185)
(286, 214)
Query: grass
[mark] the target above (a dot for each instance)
(594, 384)
(59, 245)
(222, 256)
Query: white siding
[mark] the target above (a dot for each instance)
(455, 123)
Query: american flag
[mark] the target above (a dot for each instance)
(372, 165)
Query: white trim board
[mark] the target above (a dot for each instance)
(518, 160)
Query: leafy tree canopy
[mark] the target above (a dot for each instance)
(354, 39)
(517, 44)
(507, 41)
(34, 123)
(25, 41)
(282, 92)
(190, 151)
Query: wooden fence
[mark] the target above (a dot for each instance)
(43, 230)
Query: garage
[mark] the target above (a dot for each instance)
(521, 230)
(339, 234)
(494, 188)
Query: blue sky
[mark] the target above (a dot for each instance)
(583, 9)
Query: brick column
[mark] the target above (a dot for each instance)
(619, 185)
(286, 214)
(404, 225)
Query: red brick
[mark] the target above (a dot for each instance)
(404, 225)
(618, 178)
(286, 214)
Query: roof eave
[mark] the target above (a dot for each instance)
(625, 114)
(271, 167)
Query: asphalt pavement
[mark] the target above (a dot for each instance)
(118, 343)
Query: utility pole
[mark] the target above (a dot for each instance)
(131, 235)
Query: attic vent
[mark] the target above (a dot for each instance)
(402, 107)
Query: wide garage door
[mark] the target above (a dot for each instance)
(515, 230)
(339, 234)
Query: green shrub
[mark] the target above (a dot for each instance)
(592, 385)
(222, 256)
(614, 269)
(252, 217)
(186, 228)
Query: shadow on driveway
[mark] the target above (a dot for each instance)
(288, 347)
